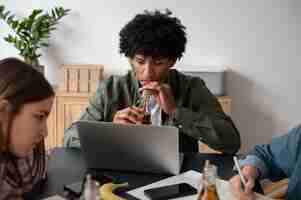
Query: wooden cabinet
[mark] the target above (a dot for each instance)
(77, 84)
(66, 109)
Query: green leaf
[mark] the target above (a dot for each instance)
(66, 11)
(52, 28)
(35, 35)
(14, 24)
(7, 39)
(45, 36)
(10, 19)
(24, 36)
(52, 12)
(44, 44)
(35, 13)
(18, 44)
(1, 9)
(21, 26)
(27, 22)
(5, 15)
(25, 33)
(10, 39)
(57, 11)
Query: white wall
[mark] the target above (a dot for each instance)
(259, 39)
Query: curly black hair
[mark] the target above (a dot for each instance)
(153, 34)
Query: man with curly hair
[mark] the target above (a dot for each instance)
(153, 42)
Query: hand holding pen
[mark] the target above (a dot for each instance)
(241, 176)
(243, 183)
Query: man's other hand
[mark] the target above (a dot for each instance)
(129, 115)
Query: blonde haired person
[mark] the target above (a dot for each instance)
(26, 99)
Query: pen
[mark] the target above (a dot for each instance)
(242, 178)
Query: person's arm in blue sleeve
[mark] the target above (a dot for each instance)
(276, 160)
(256, 162)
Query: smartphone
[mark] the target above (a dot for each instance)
(74, 189)
(170, 191)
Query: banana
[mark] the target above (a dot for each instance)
(106, 191)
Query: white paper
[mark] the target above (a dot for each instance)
(56, 197)
(194, 179)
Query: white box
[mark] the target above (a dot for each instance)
(212, 75)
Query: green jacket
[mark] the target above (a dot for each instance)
(199, 115)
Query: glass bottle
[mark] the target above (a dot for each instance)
(208, 190)
(91, 191)
(145, 105)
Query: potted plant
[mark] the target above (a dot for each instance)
(32, 33)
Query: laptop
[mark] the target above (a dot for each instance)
(138, 148)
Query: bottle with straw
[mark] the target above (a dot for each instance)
(145, 105)
(208, 190)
